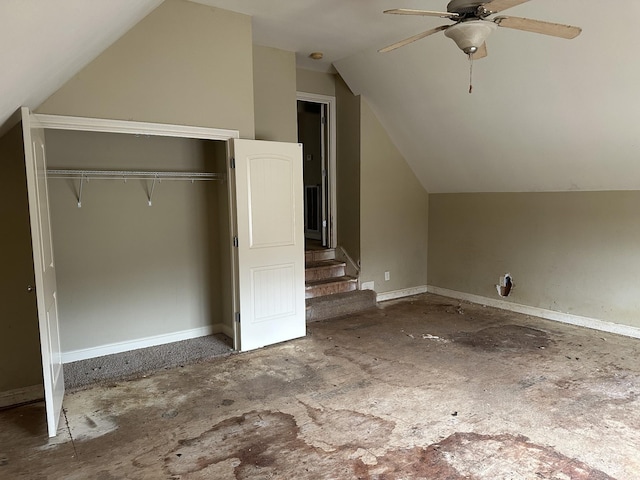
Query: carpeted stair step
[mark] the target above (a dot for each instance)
(322, 308)
(330, 286)
(319, 270)
(319, 255)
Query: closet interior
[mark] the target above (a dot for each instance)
(141, 239)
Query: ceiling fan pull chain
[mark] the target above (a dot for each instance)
(471, 73)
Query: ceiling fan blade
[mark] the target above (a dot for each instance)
(409, 40)
(424, 13)
(496, 6)
(537, 26)
(481, 52)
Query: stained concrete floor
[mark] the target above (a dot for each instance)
(421, 388)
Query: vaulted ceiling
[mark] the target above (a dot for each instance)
(545, 114)
(44, 43)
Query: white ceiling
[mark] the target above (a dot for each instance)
(546, 114)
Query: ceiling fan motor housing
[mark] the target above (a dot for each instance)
(470, 35)
(464, 7)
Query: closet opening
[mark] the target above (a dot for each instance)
(141, 231)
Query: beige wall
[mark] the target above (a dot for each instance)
(393, 212)
(274, 89)
(573, 252)
(382, 207)
(348, 166)
(20, 364)
(125, 270)
(309, 81)
(185, 63)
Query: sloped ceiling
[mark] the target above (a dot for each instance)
(546, 114)
(44, 43)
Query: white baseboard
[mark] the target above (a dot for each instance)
(569, 318)
(405, 292)
(21, 395)
(119, 347)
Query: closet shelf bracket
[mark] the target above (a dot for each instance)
(153, 186)
(80, 191)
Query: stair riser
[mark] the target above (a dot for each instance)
(322, 308)
(320, 273)
(330, 289)
(317, 255)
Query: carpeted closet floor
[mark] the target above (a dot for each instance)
(140, 362)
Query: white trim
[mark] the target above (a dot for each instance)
(63, 122)
(119, 347)
(86, 124)
(18, 396)
(569, 318)
(352, 267)
(404, 292)
(330, 101)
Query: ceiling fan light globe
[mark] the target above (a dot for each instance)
(470, 35)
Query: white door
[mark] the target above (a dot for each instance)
(45, 276)
(270, 242)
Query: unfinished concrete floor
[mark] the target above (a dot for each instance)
(421, 388)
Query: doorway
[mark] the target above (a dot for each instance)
(316, 132)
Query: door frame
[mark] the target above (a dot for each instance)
(330, 102)
(43, 268)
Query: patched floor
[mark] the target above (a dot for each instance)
(421, 388)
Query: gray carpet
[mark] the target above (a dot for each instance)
(136, 363)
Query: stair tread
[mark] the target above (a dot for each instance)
(324, 264)
(328, 281)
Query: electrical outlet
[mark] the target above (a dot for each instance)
(387, 276)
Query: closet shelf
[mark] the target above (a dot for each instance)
(155, 177)
(124, 174)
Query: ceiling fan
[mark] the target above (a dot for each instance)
(472, 25)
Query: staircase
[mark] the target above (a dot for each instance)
(329, 291)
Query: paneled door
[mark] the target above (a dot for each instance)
(269, 231)
(45, 275)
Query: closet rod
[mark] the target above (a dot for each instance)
(144, 175)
